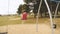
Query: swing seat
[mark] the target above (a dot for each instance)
(3, 33)
(54, 26)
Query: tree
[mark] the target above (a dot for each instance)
(23, 7)
(27, 1)
(19, 9)
(43, 10)
(36, 6)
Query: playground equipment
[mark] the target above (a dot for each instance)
(53, 25)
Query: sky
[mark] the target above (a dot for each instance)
(9, 6)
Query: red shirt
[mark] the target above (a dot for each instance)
(24, 16)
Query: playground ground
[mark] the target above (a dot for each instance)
(28, 29)
(13, 25)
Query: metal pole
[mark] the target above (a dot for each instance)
(8, 7)
(56, 11)
(8, 17)
(38, 16)
(49, 15)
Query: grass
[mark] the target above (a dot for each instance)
(5, 20)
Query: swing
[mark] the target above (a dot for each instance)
(58, 2)
(53, 26)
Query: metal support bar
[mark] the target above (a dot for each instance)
(49, 11)
(56, 10)
(55, 15)
(38, 16)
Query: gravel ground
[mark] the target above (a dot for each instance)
(28, 29)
